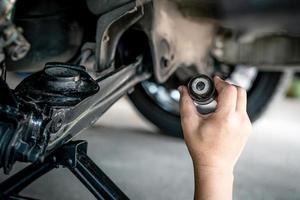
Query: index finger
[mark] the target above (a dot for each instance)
(227, 96)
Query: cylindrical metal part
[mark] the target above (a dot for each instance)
(202, 89)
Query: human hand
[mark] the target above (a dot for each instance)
(217, 140)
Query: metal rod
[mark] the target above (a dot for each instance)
(73, 156)
(18, 197)
(95, 179)
(25, 177)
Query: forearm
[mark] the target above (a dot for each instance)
(213, 184)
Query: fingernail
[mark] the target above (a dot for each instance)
(217, 77)
(179, 89)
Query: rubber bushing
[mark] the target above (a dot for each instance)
(202, 89)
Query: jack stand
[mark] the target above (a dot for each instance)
(73, 156)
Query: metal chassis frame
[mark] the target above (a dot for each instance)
(74, 157)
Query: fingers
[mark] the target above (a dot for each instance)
(227, 96)
(230, 98)
(188, 112)
(219, 84)
(241, 105)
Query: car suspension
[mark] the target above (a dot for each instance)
(48, 108)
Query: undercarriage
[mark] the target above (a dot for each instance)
(81, 57)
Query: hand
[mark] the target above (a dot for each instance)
(216, 141)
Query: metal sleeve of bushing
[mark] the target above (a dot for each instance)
(202, 89)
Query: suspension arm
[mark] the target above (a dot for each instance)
(112, 86)
(57, 103)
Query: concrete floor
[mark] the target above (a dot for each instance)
(148, 165)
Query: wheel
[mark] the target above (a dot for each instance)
(159, 103)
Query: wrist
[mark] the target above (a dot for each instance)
(213, 170)
(213, 182)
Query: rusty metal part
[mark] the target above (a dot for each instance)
(266, 49)
(14, 43)
(110, 28)
(5, 8)
(188, 37)
(175, 38)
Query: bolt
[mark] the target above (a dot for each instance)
(57, 122)
(70, 162)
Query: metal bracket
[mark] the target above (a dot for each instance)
(110, 28)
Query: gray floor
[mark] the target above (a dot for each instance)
(147, 165)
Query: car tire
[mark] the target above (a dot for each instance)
(259, 96)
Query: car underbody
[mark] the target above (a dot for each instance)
(81, 57)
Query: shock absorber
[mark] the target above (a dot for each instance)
(202, 90)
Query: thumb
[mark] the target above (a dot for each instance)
(188, 112)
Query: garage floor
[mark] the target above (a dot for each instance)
(148, 165)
